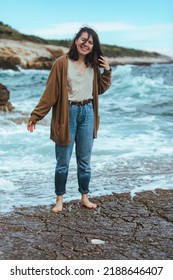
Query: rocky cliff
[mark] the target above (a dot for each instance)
(28, 55)
(32, 52)
(5, 104)
(31, 55)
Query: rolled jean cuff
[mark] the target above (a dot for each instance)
(60, 194)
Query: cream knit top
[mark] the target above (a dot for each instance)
(80, 84)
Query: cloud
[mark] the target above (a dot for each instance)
(58, 29)
(112, 26)
(155, 36)
(63, 29)
(164, 51)
(133, 30)
(150, 32)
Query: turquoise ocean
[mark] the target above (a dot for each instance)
(133, 151)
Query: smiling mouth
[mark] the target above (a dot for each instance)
(84, 48)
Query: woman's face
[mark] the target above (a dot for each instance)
(84, 44)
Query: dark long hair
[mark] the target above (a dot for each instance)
(91, 59)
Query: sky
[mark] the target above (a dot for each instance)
(139, 24)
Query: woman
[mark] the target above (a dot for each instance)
(72, 92)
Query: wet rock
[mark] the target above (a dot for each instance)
(40, 63)
(120, 228)
(9, 63)
(7, 107)
(28, 55)
(5, 104)
(4, 94)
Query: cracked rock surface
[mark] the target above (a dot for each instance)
(120, 228)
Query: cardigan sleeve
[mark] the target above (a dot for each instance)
(104, 81)
(49, 97)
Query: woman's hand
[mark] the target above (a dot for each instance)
(104, 63)
(30, 126)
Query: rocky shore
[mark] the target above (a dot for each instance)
(5, 104)
(29, 55)
(120, 228)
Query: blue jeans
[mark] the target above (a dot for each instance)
(82, 134)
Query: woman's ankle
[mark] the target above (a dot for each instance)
(86, 202)
(59, 204)
(59, 198)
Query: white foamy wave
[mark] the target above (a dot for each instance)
(33, 71)
(9, 72)
(160, 184)
(122, 77)
(122, 71)
(7, 185)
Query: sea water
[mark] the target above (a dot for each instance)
(133, 151)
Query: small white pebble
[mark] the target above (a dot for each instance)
(97, 241)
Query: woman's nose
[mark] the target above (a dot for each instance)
(86, 43)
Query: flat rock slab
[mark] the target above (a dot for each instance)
(120, 228)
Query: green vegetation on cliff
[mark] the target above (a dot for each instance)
(109, 50)
(7, 32)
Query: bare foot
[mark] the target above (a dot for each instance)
(85, 202)
(59, 204)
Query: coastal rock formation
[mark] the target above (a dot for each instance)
(140, 61)
(28, 55)
(5, 104)
(32, 55)
(120, 228)
(9, 63)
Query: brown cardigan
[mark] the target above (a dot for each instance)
(55, 96)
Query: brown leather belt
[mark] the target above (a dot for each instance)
(80, 103)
